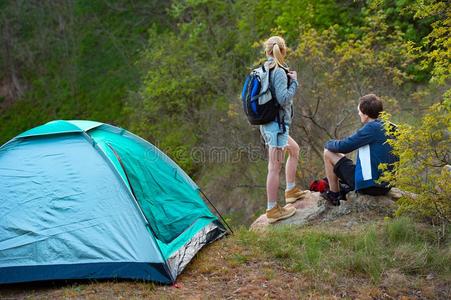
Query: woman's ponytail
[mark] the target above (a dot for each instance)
(276, 48)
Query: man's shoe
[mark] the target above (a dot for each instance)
(332, 197)
(279, 213)
(294, 195)
(344, 189)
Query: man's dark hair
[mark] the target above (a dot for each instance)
(371, 105)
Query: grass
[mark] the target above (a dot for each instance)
(371, 252)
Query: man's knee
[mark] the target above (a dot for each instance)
(332, 157)
(326, 154)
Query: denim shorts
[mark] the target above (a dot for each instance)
(274, 135)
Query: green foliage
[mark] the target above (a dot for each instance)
(401, 14)
(423, 167)
(288, 18)
(185, 72)
(424, 148)
(172, 71)
(69, 60)
(435, 47)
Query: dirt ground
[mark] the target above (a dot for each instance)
(214, 276)
(218, 273)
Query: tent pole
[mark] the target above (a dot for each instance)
(224, 221)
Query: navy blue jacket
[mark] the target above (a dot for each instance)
(373, 149)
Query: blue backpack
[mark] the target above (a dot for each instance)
(257, 86)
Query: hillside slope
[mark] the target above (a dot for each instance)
(70, 59)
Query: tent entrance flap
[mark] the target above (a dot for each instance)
(169, 202)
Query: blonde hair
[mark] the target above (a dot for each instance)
(276, 48)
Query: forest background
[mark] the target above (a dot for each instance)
(172, 72)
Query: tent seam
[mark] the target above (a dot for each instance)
(137, 206)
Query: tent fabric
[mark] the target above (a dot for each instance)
(170, 203)
(60, 126)
(84, 124)
(120, 270)
(182, 256)
(65, 210)
(83, 199)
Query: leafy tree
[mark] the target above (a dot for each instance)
(435, 47)
(189, 74)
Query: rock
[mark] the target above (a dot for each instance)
(361, 203)
(309, 208)
(396, 193)
(314, 208)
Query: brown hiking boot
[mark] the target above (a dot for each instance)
(294, 195)
(279, 213)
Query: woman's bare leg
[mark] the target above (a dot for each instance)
(292, 161)
(330, 159)
(275, 158)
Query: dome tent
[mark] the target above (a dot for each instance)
(85, 200)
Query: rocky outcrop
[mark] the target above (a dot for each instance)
(314, 208)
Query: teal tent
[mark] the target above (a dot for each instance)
(86, 200)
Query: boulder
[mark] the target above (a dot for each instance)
(312, 208)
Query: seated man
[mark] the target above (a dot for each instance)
(373, 149)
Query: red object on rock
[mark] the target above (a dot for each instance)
(320, 185)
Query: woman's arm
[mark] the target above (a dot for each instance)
(284, 94)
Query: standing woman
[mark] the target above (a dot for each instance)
(283, 85)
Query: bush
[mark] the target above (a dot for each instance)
(423, 167)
